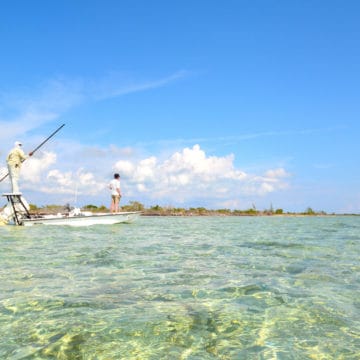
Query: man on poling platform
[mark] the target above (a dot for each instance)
(14, 161)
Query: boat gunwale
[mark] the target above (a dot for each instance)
(78, 218)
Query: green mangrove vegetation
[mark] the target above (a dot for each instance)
(158, 210)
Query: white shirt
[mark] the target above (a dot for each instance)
(114, 187)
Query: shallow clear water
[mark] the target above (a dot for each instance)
(183, 288)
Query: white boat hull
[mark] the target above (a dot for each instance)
(84, 220)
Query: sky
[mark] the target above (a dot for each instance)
(229, 104)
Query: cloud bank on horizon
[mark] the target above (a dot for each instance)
(70, 167)
(186, 175)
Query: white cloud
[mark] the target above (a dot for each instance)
(125, 167)
(183, 177)
(277, 173)
(117, 84)
(34, 167)
(61, 179)
(28, 109)
(25, 111)
(78, 182)
(190, 173)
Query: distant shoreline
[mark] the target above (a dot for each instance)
(145, 213)
(173, 211)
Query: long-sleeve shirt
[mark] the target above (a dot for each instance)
(16, 157)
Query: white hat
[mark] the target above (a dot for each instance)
(18, 143)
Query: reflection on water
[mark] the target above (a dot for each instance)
(183, 288)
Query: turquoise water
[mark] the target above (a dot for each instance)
(183, 288)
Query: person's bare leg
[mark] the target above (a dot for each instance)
(116, 206)
(112, 205)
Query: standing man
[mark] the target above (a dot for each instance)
(115, 193)
(14, 160)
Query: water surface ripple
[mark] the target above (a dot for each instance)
(183, 288)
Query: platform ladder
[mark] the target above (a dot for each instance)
(16, 199)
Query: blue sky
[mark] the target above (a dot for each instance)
(222, 104)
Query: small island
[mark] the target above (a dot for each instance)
(158, 210)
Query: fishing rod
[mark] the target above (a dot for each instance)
(37, 148)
